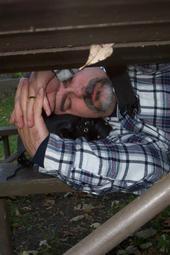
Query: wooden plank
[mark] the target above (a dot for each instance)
(37, 35)
(6, 146)
(28, 181)
(29, 16)
(5, 132)
(34, 186)
(8, 130)
(75, 57)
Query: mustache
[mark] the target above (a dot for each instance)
(106, 90)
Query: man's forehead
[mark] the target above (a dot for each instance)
(67, 74)
(90, 73)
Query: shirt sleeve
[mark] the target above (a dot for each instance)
(124, 161)
(40, 153)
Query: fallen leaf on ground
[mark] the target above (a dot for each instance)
(49, 202)
(17, 212)
(77, 218)
(27, 208)
(82, 207)
(44, 243)
(146, 233)
(33, 252)
(95, 225)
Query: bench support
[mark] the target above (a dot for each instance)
(5, 242)
(5, 141)
(126, 221)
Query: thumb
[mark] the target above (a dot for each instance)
(46, 106)
(38, 104)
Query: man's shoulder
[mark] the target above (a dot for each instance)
(140, 70)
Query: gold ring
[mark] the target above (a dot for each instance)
(31, 97)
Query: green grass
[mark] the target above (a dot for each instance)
(6, 106)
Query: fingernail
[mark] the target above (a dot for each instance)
(48, 112)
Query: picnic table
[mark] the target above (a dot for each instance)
(41, 35)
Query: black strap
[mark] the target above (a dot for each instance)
(128, 101)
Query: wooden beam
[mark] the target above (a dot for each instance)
(33, 186)
(28, 181)
(36, 35)
(8, 130)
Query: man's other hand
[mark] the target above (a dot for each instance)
(34, 136)
(37, 80)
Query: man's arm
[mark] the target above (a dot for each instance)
(121, 162)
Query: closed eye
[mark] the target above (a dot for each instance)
(66, 104)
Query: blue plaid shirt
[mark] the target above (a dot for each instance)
(135, 153)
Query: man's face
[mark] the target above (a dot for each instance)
(88, 94)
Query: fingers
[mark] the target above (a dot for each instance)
(24, 99)
(37, 80)
(38, 105)
(30, 106)
(33, 137)
(17, 114)
(40, 125)
(27, 139)
(46, 106)
(39, 132)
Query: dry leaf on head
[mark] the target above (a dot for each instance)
(98, 52)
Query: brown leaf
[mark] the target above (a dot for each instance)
(49, 202)
(78, 218)
(98, 52)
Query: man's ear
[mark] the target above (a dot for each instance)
(128, 101)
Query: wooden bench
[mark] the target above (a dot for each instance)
(35, 35)
(5, 132)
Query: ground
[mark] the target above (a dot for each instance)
(51, 224)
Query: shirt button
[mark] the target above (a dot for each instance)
(78, 147)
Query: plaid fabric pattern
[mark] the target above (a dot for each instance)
(133, 156)
(152, 84)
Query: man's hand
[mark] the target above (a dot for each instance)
(34, 136)
(37, 80)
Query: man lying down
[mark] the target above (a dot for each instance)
(102, 139)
